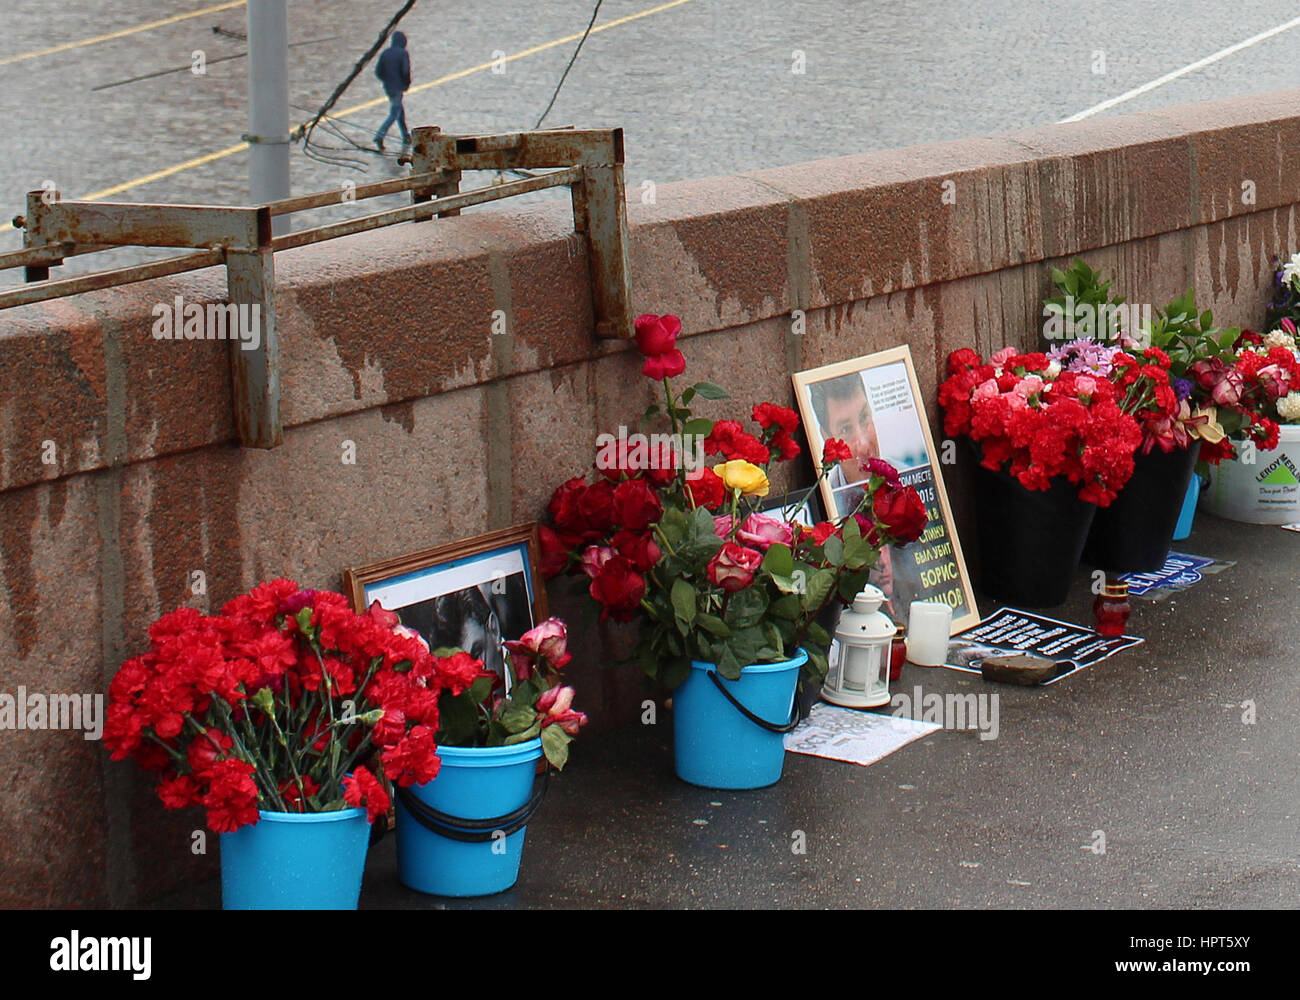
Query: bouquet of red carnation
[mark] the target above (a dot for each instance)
(488, 714)
(1039, 421)
(683, 547)
(287, 701)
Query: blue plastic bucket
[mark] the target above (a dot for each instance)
(1188, 513)
(474, 783)
(295, 861)
(714, 744)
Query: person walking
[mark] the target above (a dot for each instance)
(394, 72)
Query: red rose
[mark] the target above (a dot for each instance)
(596, 506)
(556, 548)
(638, 548)
(564, 505)
(663, 366)
(618, 587)
(900, 512)
(706, 488)
(636, 505)
(657, 334)
(656, 338)
(823, 531)
(733, 566)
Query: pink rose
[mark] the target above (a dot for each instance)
(594, 558)
(548, 640)
(762, 531)
(1228, 391)
(733, 567)
(722, 526)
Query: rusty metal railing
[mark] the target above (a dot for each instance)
(587, 161)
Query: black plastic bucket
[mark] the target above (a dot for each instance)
(1134, 534)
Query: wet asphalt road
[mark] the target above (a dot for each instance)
(703, 87)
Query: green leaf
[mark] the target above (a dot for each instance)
(787, 607)
(746, 607)
(819, 585)
(674, 671)
(479, 690)
(457, 720)
(515, 718)
(779, 560)
(713, 624)
(555, 744)
(834, 549)
(817, 660)
(710, 391)
(688, 395)
(773, 636)
(728, 666)
(818, 634)
(699, 426)
(531, 733)
(674, 525)
(683, 598)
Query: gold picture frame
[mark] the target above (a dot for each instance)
(472, 594)
(933, 568)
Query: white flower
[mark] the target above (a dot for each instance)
(1053, 370)
(1288, 407)
(1291, 268)
(1278, 338)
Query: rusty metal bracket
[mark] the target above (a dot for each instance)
(588, 162)
(599, 198)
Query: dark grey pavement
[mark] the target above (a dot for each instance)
(1199, 809)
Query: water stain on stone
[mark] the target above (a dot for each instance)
(400, 413)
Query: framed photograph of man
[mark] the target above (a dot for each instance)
(473, 595)
(873, 404)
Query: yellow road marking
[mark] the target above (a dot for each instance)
(120, 34)
(198, 161)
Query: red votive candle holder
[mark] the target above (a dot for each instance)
(1112, 609)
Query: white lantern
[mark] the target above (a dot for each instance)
(859, 655)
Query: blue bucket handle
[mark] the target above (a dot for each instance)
(771, 727)
(473, 831)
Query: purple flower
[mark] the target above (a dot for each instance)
(1182, 387)
(1084, 355)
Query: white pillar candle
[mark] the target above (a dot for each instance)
(928, 626)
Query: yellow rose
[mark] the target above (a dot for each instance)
(1211, 430)
(744, 476)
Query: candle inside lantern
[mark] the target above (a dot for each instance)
(928, 625)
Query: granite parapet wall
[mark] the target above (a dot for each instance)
(121, 478)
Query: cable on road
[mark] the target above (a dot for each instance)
(572, 59)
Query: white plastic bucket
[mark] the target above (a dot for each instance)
(1266, 491)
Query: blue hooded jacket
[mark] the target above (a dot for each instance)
(394, 67)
